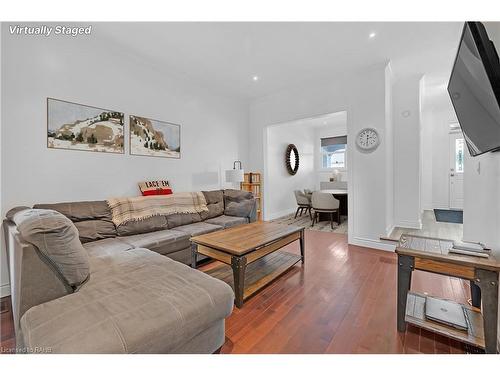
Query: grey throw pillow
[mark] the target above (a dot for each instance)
(215, 204)
(13, 211)
(240, 209)
(231, 195)
(56, 237)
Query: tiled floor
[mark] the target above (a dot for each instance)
(432, 228)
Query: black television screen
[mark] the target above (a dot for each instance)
(474, 89)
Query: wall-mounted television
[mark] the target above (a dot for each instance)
(474, 89)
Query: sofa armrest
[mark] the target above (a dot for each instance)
(253, 214)
(32, 280)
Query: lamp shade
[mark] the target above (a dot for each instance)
(234, 175)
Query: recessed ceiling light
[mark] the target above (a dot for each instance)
(255, 78)
(372, 35)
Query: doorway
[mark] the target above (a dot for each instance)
(456, 175)
(318, 165)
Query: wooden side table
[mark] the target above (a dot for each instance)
(432, 255)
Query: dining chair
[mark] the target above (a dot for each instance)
(325, 203)
(308, 193)
(303, 203)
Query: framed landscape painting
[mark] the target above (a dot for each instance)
(73, 126)
(154, 138)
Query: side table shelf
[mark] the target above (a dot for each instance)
(433, 255)
(415, 315)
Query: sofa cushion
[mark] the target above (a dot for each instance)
(107, 247)
(215, 204)
(93, 218)
(227, 221)
(135, 302)
(199, 228)
(239, 203)
(176, 220)
(243, 208)
(184, 256)
(149, 224)
(94, 230)
(162, 242)
(56, 237)
(232, 195)
(79, 211)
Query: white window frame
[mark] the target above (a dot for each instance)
(321, 154)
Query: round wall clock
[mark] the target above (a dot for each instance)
(367, 139)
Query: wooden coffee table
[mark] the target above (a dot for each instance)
(245, 244)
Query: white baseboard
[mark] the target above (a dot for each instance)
(440, 206)
(374, 244)
(4, 290)
(389, 229)
(276, 215)
(410, 224)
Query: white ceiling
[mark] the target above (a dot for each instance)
(328, 121)
(225, 56)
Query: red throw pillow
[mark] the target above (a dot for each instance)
(157, 192)
(158, 187)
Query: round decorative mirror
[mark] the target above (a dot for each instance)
(292, 159)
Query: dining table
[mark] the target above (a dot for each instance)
(341, 195)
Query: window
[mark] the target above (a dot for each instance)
(459, 155)
(333, 152)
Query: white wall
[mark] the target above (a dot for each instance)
(281, 185)
(389, 155)
(362, 95)
(213, 128)
(482, 187)
(482, 199)
(406, 112)
(426, 142)
(86, 70)
(436, 115)
(4, 274)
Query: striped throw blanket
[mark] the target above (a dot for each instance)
(139, 208)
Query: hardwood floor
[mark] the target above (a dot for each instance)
(342, 300)
(7, 338)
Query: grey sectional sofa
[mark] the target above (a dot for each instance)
(140, 296)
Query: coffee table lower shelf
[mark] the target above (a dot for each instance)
(259, 273)
(415, 314)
